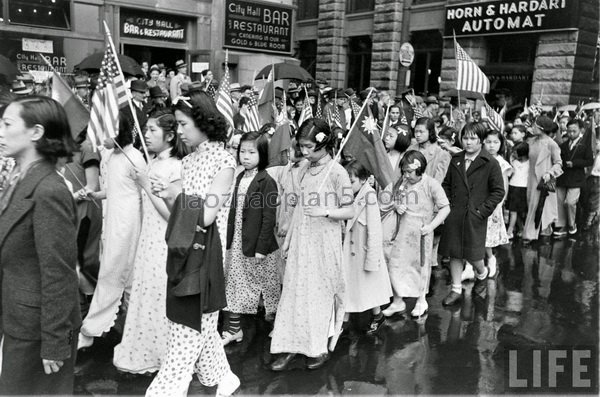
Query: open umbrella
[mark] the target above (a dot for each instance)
(463, 94)
(94, 61)
(8, 68)
(285, 71)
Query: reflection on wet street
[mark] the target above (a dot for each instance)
(545, 295)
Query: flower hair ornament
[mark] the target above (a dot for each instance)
(320, 137)
(415, 165)
(453, 135)
(184, 99)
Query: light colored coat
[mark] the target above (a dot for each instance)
(365, 273)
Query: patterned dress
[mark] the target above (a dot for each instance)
(410, 259)
(190, 351)
(311, 307)
(246, 278)
(496, 230)
(144, 342)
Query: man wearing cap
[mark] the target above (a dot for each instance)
(82, 90)
(432, 108)
(180, 78)
(20, 89)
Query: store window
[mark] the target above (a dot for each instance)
(427, 66)
(521, 50)
(356, 6)
(308, 9)
(359, 62)
(43, 13)
(307, 53)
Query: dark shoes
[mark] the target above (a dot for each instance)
(452, 299)
(480, 288)
(317, 362)
(283, 362)
(376, 324)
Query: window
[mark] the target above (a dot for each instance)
(356, 6)
(521, 50)
(307, 53)
(43, 13)
(308, 9)
(359, 62)
(427, 65)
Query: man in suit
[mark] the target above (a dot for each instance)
(575, 155)
(179, 79)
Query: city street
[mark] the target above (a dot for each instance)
(545, 295)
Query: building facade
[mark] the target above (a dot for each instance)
(527, 48)
(157, 31)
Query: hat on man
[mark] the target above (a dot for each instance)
(349, 92)
(154, 67)
(418, 99)
(196, 86)
(431, 99)
(312, 92)
(279, 92)
(19, 88)
(25, 77)
(180, 64)
(139, 86)
(545, 124)
(321, 81)
(156, 92)
(81, 82)
(235, 87)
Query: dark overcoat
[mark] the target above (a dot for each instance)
(581, 156)
(260, 209)
(38, 257)
(473, 197)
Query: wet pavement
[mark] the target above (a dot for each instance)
(545, 295)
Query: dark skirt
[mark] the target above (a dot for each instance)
(517, 199)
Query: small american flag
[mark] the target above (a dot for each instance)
(469, 76)
(355, 107)
(306, 112)
(494, 120)
(223, 99)
(109, 97)
(250, 113)
(319, 111)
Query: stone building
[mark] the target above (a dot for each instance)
(527, 48)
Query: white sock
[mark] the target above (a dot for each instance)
(457, 288)
(483, 275)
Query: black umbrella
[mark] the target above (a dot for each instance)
(285, 71)
(8, 68)
(464, 94)
(545, 188)
(93, 62)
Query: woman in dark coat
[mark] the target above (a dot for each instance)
(474, 186)
(40, 302)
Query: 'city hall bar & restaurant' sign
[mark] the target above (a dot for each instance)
(510, 16)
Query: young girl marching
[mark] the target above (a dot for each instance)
(252, 268)
(417, 197)
(516, 201)
(496, 231)
(365, 272)
(144, 342)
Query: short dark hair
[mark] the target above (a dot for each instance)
(311, 128)
(430, 125)
(262, 146)
(166, 120)
(412, 155)
(579, 123)
(500, 138)
(57, 140)
(520, 127)
(403, 140)
(207, 118)
(478, 129)
(125, 135)
(353, 167)
(522, 149)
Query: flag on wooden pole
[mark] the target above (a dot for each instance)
(306, 112)
(250, 113)
(224, 102)
(468, 75)
(110, 96)
(495, 121)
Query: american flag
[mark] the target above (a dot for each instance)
(250, 113)
(355, 107)
(223, 100)
(109, 97)
(494, 120)
(319, 111)
(306, 112)
(469, 76)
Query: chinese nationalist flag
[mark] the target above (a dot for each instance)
(77, 114)
(364, 145)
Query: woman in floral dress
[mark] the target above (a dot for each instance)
(311, 308)
(144, 342)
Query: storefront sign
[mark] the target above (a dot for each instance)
(25, 53)
(510, 16)
(35, 45)
(152, 26)
(407, 54)
(510, 77)
(255, 26)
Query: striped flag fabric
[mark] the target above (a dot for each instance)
(223, 99)
(319, 111)
(250, 113)
(306, 112)
(469, 76)
(110, 95)
(492, 117)
(355, 107)
(78, 115)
